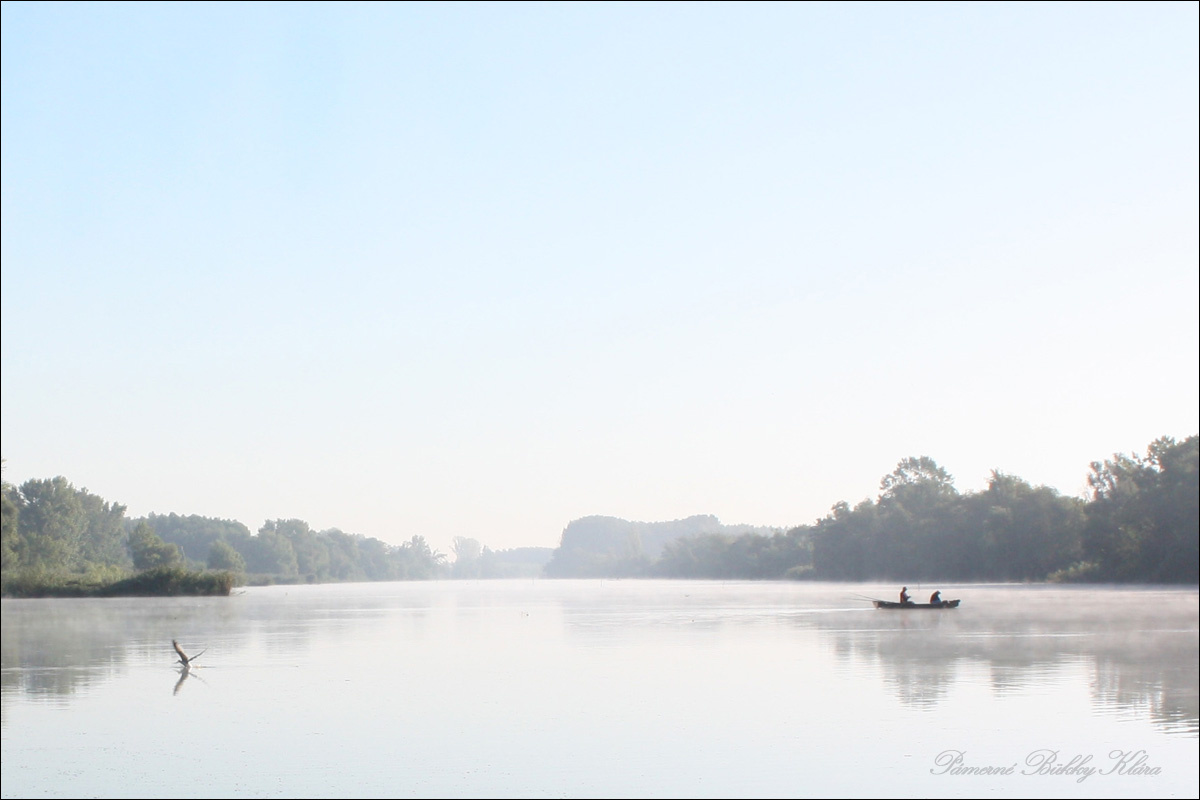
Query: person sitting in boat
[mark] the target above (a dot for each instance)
(904, 598)
(935, 599)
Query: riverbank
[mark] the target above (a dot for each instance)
(160, 582)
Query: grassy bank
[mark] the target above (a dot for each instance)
(160, 582)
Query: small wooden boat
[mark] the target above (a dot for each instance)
(915, 606)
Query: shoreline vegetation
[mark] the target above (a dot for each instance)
(1138, 524)
(156, 582)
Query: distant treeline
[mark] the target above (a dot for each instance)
(1139, 524)
(51, 530)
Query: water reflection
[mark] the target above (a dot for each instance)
(1136, 649)
(59, 647)
(184, 674)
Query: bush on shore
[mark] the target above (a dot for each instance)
(158, 582)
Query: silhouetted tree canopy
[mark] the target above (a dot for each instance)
(1140, 523)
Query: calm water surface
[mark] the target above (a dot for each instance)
(605, 689)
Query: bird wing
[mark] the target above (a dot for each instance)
(182, 656)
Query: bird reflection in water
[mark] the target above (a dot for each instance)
(185, 665)
(184, 673)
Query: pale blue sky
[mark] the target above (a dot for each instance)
(483, 269)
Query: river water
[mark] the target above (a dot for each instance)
(541, 688)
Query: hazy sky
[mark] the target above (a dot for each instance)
(481, 270)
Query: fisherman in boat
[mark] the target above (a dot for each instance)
(935, 599)
(904, 598)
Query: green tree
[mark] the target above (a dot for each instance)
(52, 522)
(1142, 520)
(222, 556)
(1026, 532)
(311, 551)
(104, 540)
(843, 540)
(196, 534)
(376, 560)
(271, 553)
(703, 556)
(346, 559)
(917, 473)
(918, 516)
(468, 554)
(415, 560)
(149, 551)
(10, 537)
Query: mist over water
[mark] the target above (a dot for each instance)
(605, 688)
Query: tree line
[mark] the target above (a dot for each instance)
(51, 527)
(1139, 523)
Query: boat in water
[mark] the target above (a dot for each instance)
(916, 606)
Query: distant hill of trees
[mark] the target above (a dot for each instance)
(1140, 523)
(599, 546)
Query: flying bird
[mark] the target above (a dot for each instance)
(184, 659)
